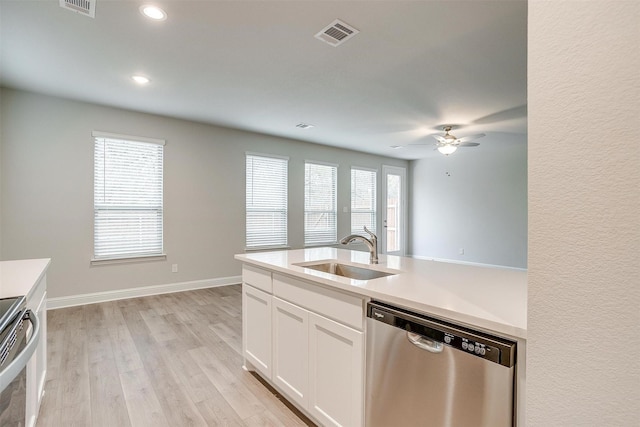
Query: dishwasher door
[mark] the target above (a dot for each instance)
(423, 372)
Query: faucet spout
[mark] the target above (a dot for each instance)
(372, 244)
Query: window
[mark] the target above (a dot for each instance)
(266, 203)
(363, 200)
(320, 205)
(127, 199)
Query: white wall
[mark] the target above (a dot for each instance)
(474, 199)
(47, 193)
(584, 210)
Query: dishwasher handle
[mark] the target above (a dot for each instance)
(425, 343)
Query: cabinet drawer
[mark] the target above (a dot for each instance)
(257, 277)
(343, 308)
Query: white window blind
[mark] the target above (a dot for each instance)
(266, 194)
(363, 201)
(127, 197)
(320, 204)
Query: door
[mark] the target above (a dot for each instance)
(256, 328)
(394, 210)
(336, 360)
(290, 350)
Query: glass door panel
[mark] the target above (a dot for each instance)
(394, 210)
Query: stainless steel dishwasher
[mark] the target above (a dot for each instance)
(425, 372)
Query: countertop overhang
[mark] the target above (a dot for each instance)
(18, 277)
(488, 298)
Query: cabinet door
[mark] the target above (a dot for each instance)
(256, 328)
(336, 366)
(291, 350)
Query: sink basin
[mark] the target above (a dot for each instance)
(345, 270)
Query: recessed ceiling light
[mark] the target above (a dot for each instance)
(153, 12)
(141, 80)
(304, 126)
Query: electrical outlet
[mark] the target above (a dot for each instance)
(461, 251)
(174, 268)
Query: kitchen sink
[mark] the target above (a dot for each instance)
(345, 270)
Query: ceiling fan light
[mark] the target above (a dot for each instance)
(447, 149)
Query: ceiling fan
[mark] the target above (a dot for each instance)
(448, 143)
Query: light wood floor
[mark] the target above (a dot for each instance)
(166, 360)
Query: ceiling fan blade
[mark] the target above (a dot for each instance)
(470, 137)
(468, 144)
(421, 143)
(440, 139)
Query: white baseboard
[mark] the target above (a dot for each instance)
(96, 297)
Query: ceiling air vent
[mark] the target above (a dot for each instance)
(83, 7)
(336, 33)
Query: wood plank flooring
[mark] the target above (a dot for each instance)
(164, 360)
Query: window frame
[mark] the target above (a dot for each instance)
(285, 244)
(374, 212)
(124, 257)
(334, 211)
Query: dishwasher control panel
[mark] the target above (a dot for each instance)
(467, 345)
(487, 347)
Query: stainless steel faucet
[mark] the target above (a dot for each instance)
(371, 243)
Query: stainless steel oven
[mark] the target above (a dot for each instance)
(19, 333)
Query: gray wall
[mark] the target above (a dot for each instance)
(47, 193)
(474, 199)
(1, 136)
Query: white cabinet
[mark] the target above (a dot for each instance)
(37, 365)
(318, 364)
(336, 372)
(256, 328)
(291, 350)
(308, 341)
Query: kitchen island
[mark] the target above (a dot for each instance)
(304, 330)
(489, 298)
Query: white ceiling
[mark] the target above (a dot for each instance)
(255, 65)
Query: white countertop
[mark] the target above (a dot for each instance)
(489, 298)
(18, 277)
